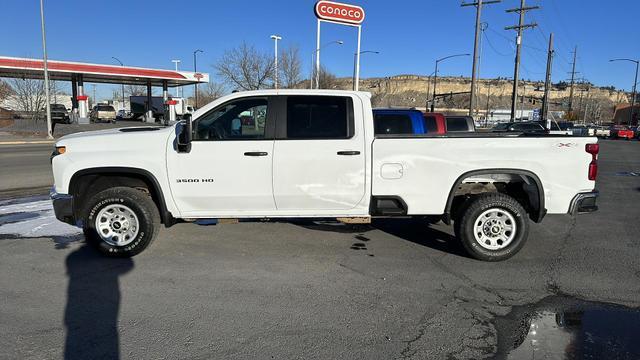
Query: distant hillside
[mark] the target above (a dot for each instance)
(414, 90)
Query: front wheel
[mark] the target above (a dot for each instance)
(121, 221)
(492, 227)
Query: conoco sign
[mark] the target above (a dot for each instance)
(339, 12)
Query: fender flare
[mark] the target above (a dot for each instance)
(538, 214)
(165, 215)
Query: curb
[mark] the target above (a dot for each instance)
(26, 142)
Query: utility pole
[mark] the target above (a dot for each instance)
(474, 72)
(46, 72)
(516, 72)
(547, 80)
(573, 76)
(486, 117)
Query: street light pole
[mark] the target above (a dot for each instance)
(275, 39)
(635, 82)
(315, 54)
(356, 82)
(46, 71)
(435, 77)
(195, 70)
(121, 64)
(179, 92)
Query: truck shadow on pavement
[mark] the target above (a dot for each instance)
(421, 233)
(416, 231)
(93, 304)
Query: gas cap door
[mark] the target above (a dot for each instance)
(391, 171)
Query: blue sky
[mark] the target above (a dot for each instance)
(409, 34)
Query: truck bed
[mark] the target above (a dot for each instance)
(422, 168)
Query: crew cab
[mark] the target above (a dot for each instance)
(314, 154)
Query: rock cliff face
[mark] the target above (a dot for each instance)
(413, 90)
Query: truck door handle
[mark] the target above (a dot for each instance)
(256, 153)
(348, 152)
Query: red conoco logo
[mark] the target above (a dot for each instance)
(344, 13)
(198, 76)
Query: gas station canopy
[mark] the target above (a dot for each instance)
(12, 67)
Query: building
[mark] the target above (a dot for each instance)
(622, 114)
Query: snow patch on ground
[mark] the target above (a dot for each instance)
(33, 217)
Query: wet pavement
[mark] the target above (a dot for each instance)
(563, 327)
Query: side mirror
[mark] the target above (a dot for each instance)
(185, 136)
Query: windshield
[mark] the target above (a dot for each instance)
(502, 126)
(105, 108)
(58, 107)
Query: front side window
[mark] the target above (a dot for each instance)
(319, 117)
(242, 119)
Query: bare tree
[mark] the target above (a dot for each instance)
(135, 90)
(5, 90)
(326, 79)
(29, 95)
(245, 68)
(210, 91)
(290, 67)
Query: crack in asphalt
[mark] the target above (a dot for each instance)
(552, 268)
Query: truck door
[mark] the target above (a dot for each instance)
(229, 168)
(319, 155)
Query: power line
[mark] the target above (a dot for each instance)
(494, 48)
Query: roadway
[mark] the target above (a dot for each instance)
(324, 290)
(25, 168)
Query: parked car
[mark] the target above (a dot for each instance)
(59, 114)
(528, 127)
(460, 124)
(603, 131)
(123, 115)
(102, 112)
(636, 131)
(621, 132)
(436, 123)
(408, 121)
(322, 159)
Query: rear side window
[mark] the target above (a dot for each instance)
(319, 117)
(431, 124)
(457, 124)
(392, 124)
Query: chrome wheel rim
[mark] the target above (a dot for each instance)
(494, 229)
(117, 225)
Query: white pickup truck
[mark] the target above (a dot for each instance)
(314, 154)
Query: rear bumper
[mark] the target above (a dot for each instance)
(62, 206)
(584, 203)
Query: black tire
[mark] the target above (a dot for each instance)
(139, 203)
(471, 211)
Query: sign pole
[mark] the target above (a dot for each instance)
(356, 83)
(317, 74)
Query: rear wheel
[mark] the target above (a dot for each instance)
(121, 221)
(492, 227)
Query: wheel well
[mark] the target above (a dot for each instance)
(522, 185)
(85, 184)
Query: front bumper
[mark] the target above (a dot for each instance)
(584, 203)
(62, 206)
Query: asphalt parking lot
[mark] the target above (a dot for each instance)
(394, 290)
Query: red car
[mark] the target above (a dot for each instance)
(622, 132)
(435, 123)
